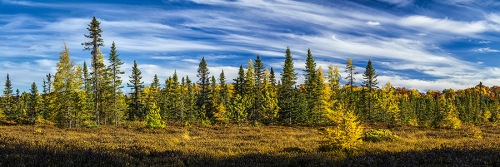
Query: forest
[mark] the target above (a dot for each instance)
(79, 98)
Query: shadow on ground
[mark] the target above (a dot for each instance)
(18, 155)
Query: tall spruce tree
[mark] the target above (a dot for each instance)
(116, 82)
(97, 64)
(311, 85)
(369, 84)
(287, 92)
(203, 82)
(136, 105)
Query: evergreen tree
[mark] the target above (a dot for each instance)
(287, 92)
(272, 78)
(311, 86)
(9, 107)
(33, 105)
(203, 82)
(97, 64)
(370, 83)
(136, 106)
(116, 83)
(259, 72)
(224, 90)
(239, 82)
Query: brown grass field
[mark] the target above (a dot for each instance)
(133, 145)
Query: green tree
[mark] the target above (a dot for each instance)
(369, 84)
(33, 104)
(287, 92)
(224, 90)
(116, 84)
(312, 87)
(136, 106)
(9, 107)
(203, 82)
(239, 82)
(97, 64)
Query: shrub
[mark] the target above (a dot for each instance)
(380, 135)
(475, 132)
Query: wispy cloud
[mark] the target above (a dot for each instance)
(485, 50)
(445, 25)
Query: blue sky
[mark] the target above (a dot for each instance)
(416, 44)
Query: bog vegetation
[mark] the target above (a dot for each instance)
(80, 96)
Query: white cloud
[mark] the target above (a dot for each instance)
(485, 50)
(373, 23)
(444, 25)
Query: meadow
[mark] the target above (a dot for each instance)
(133, 145)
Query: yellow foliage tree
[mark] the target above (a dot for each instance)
(388, 104)
(449, 114)
(347, 134)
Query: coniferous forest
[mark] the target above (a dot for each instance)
(318, 123)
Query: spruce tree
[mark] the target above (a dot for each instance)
(116, 83)
(8, 102)
(311, 85)
(287, 92)
(224, 89)
(259, 72)
(33, 105)
(203, 82)
(272, 77)
(369, 84)
(239, 82)
(136, 106)
(97, 64)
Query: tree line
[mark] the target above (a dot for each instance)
(88, 96)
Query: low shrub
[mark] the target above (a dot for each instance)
(380, 135)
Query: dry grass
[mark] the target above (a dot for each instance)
(132, 145)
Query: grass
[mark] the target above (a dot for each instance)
(133, 145)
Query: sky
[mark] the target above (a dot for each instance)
(426, 45)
